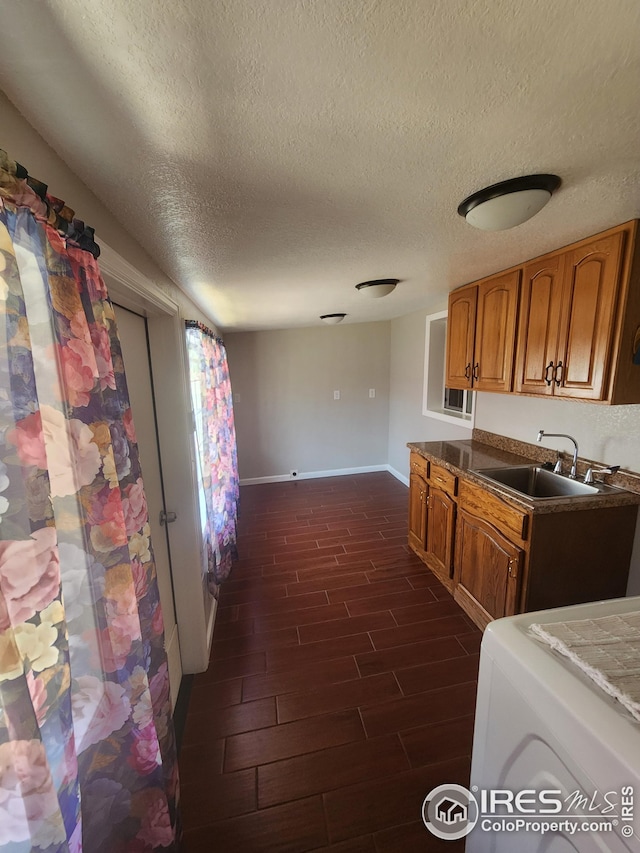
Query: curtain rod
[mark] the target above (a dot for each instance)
(196, 324)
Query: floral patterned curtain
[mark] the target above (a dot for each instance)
(87, 749)
(216, 446)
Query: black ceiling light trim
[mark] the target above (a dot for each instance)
(336, 317)
(376, 282)
(550, 183)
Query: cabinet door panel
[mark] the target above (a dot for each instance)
(589, 301)
(487, 565)
(417, 512)
(539, 326)
(461, 326)
(441, 513)
(496, 332)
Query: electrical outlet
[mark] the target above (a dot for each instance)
(372, 393)
(336, 395)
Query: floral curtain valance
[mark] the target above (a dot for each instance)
(87, 748)
(216, 449)
(23, 188)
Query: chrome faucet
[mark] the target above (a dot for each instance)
(542, 433)
(589, 476)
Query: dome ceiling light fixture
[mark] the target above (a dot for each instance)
(332, 319)
(508, 203)
(377, 288)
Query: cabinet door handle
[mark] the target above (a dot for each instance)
(558, 372)
(513, 568)
(548, 379)
(475, 371)
(467, 371)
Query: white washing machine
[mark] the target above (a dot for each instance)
(542, 724)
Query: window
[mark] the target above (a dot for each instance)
(216, 455)
(456, 401)
(447, 404)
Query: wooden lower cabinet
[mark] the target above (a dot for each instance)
(441, 519)
(417, 512)
(498, 559)
(487, 570)
(432, 517)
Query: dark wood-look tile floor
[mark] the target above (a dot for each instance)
(342, 681)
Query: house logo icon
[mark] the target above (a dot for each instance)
(450, 812)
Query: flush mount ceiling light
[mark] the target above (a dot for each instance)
(508, 203)
(332, 319)
(379, 287)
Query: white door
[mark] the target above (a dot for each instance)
(132, 329)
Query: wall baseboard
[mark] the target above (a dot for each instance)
(397, 475)
(212, 620)
(313, 475)
(277, 478)
(181, 708)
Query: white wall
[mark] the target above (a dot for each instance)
(286, 416)
(406, 421)
(283, 384)
(609, 434)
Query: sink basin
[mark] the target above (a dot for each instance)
(536, 482)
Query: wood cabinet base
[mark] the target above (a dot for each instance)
(433, 564)
(472, 608)
(498, 560)
(576, 557)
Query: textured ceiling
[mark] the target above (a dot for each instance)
(271, 154)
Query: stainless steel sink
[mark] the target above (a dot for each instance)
(535, 482)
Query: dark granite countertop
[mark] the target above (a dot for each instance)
(462, 458)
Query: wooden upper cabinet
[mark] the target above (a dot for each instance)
(497, 314)
(575, 314)
(591, 279)
(567, 320)
(481, 330)
(461, 330)
(540, 310)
